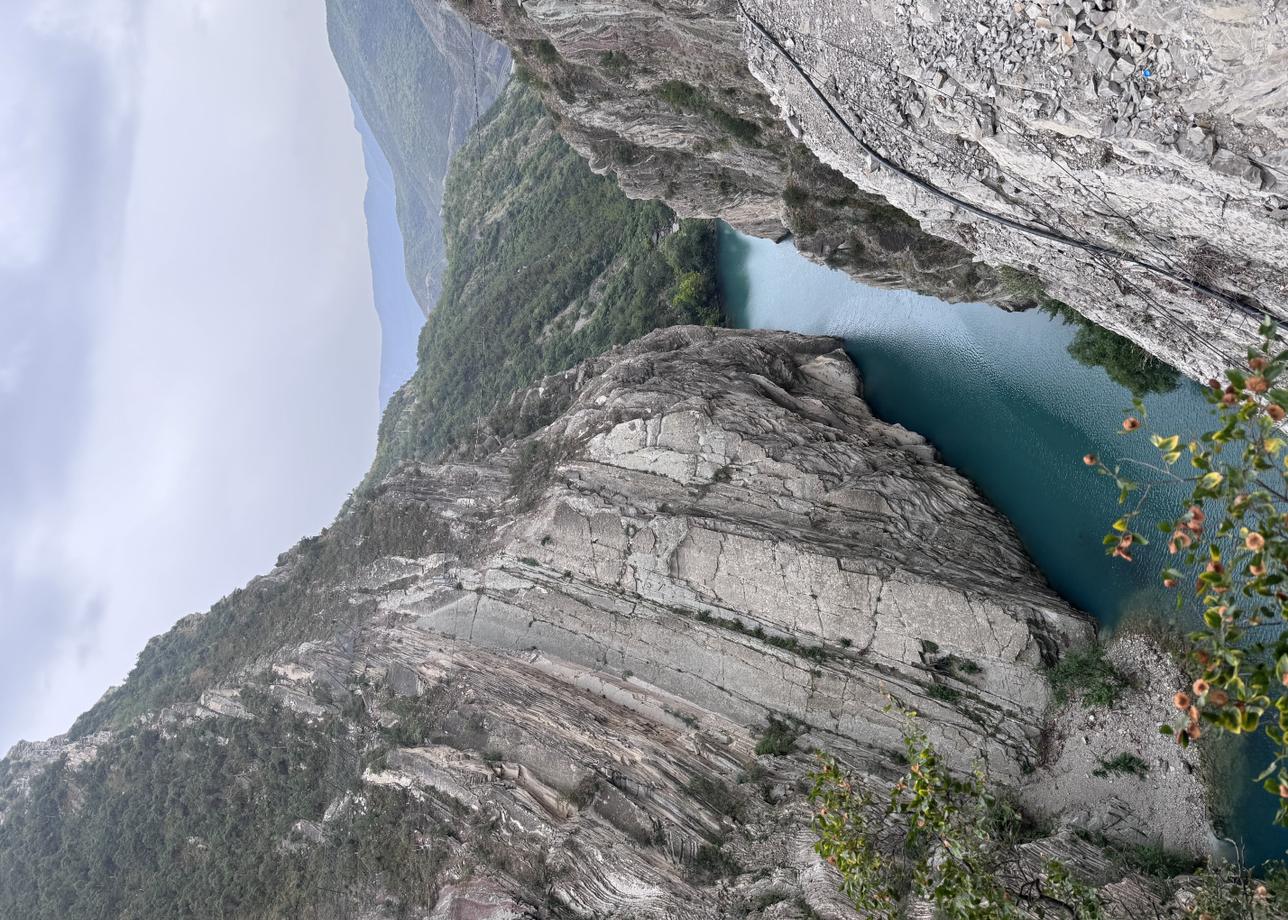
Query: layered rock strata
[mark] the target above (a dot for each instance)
(660, 96)
(591, 614)
(1133, 155)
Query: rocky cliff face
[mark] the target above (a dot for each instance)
(1133, 155)
(562, 643)
(660, 96)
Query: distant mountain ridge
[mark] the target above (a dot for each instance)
(421, 78)
(400, 315)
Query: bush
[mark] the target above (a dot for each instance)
(684, 97)
(937, 837)
(617, 62)
(943, 693)
(1230, 892)
(778, 739)
(545, 52)
(1124, 764)
(712, 863)
(718, 796)
(735, 125)
(1086, 675)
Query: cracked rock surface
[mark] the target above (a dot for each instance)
(601, 601)
(1154, 130)
(660, 95)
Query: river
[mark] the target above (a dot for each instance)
(1001, 398)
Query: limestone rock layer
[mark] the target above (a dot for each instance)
(564, 643)
(1132, 154)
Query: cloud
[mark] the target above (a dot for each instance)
(28, 185)
(53, 55)
(192, 381)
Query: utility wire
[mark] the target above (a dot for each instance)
(985, 107)
(1124, 283)
(1022, 226)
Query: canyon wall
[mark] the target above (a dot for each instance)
(561, 646)
(1133, 156)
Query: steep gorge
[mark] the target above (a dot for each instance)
(1131, 155)
(573, 659)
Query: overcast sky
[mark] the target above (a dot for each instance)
(188, 347)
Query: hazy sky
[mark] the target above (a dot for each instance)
(188, 346)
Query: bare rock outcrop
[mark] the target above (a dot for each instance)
(1133, 155)
(660, 95)
(566, 641)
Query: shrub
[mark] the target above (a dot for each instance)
(1086, 675)
(943, 693)
(741, 128)
(530, 474)
(683, 97)
(779, 738)
(615, 61)
(711, 863)
(1155, 860)
(938, 837)
(1229, 891)
(1230, 545)
(718, 796)
(957, 665)
(1125, 764)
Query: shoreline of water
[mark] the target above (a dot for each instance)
(1022, 414)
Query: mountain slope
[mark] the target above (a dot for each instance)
(548, 264)
(1133, 156)
(421, 80)
(530, 682)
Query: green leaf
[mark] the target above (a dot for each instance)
(1212, 480)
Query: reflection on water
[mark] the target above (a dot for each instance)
(1002, 400)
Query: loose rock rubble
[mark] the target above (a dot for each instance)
(710, 531)
(1153, 130)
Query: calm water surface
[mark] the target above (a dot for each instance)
(1002, 400)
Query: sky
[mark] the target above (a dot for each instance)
(189, 351)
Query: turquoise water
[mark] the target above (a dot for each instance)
(1002, 400)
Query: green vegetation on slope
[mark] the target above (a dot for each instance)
(548, 264)
(202, 823)
(1126, 363)
(271, 612)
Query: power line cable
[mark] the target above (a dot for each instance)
(1099, 253)
(984, 106)
(1022, 226)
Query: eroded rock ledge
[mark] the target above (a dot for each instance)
(597, 605)
(1150, 129)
